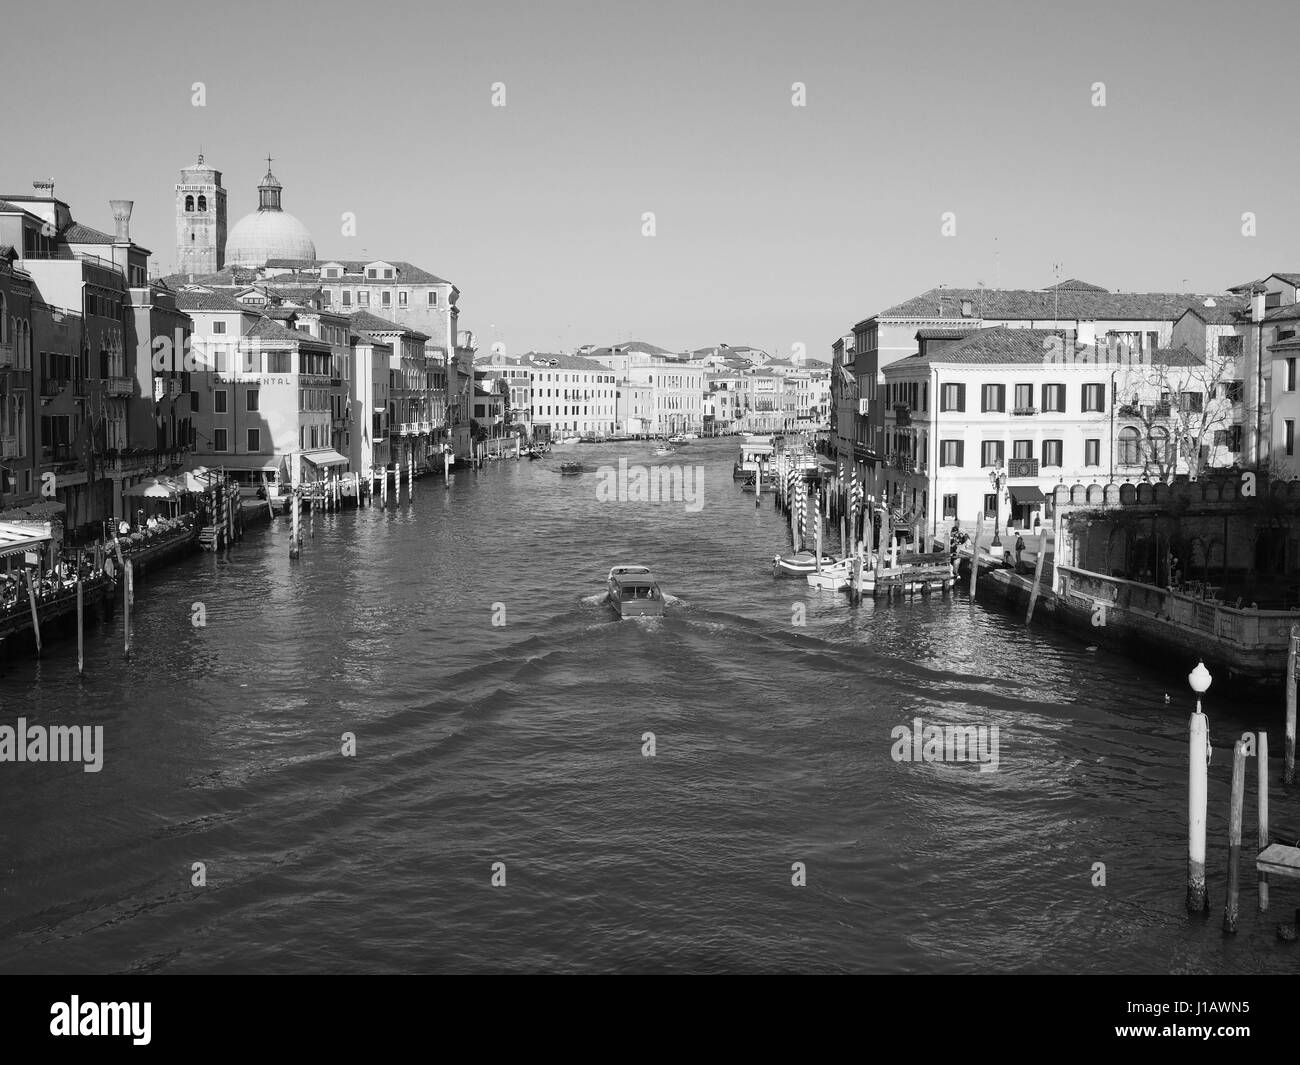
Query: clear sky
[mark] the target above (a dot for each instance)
(775, 224)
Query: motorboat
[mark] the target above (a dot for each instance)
(800, 564)
(569, 469)
(677, 438)
(664, 449)
(569, 440)
(634, 593)
(755, 454)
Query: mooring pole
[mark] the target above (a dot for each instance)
(1234, 836)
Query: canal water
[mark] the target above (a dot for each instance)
(523, 743)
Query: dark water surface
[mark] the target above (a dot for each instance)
(522, 744)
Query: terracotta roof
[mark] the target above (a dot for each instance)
(265, 329)
(189, 299)
(1290, 279)
(76, 233)
(372, 323)
(929, 333)
(1226, 311)
(565, 362)
(1075, 285)
(1283, 314)
(403, 271)
(1022, 304)
(639, 345)
(1003, 344)
(5, 205)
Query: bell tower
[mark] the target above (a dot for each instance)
(200, 220)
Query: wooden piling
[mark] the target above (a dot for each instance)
(1261, 756)
(1198, 898)
(1288, 772)
(1234, 837)
(36, 621)
(1038, 576)
(126, 610)
(975, 554)
(81, 623)
(817, 535)
(446, 471)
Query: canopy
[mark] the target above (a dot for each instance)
(1027, 494)
(17, 539)
(199, 480)
(324, 457)
(268, 463)
(153, 488)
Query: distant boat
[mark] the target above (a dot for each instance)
(569, 440)
(634, 593)
(677, 438)
(568, 469)
(664, 449)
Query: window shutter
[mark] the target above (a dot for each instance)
(961, 398)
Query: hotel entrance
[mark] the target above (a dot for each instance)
(1027, 502)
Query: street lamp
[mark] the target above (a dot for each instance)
(1200, 680)
(998, 479)
(1198, 900)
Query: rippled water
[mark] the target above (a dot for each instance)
(522, 743)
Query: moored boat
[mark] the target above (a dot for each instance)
(634, 593)
(799, 564)
(755, 454)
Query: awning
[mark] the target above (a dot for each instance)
(324, 457)
(269, 463)
(1027, 494)
(153, 488)
(15, 539)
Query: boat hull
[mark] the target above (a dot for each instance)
(800, 564)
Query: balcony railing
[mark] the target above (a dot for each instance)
(1022, 468)
(117, 386)
(1024, 412)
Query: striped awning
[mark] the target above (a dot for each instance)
(19, 539)
(325, 457)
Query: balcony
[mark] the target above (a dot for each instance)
(902, 414)
(117, 386)
(1021, 468)
(1023, 412)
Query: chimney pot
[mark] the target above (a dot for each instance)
(1257, 306)
(122, 218)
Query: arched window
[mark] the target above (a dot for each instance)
(1129, 445)
(1161, 451)
(189, 203)
(203, 203)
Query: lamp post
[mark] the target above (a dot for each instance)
(998, 479)
(1198, 755)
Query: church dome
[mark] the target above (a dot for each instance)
(270, 232)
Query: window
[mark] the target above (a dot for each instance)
(1024, 397)
(1022, 449)
(1229, 347)
(1052, 450)
(993, 398)
(219, 327)
(950, 506)
(203, 203)
(433, 299)
(219, 401)
(363, 298)
(1094, 398)
(189, 203)
(991, 505)
(1054, 398)
(372, 273)
(254, 439)
(1288, 436)
(254, 399)
(347, 297)
(278, 362)
(951, 453)
(1228, 438)
(953, 397)
(1159, 445)
(386, 299)
(388, 275)
(326, 297)
(1092, 452)
(194, 401)
(1290, 375)
(992, 453)
(1153, 341)
(1190, 401)
(219, 440)
(401, 299)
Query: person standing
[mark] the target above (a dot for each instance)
(1020, 546)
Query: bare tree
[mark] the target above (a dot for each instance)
(1182, 409)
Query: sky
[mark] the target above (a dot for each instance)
(775, 225)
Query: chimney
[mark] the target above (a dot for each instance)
(122, 218)
(1257, 305)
